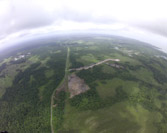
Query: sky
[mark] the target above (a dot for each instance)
(145, 20)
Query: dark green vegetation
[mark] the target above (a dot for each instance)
(131, 97)
(59, 109)
(25, 105)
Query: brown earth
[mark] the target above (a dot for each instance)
(76, 85)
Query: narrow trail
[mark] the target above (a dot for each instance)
(63, 82)
(91, 66)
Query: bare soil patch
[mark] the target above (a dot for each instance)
(76, 85)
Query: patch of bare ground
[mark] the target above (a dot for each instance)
(76, 85)
(54, 105)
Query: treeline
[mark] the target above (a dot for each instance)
(127, 66)
(90, 100)
(96, 73)
(158, 75)
(74, 63)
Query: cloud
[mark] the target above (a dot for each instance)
(22, 17)
(157, 26)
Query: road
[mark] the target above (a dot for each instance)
(91, 66)
(64, 80)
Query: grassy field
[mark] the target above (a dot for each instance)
(107, 87)
(118, 118)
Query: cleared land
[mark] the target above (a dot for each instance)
(76, 85)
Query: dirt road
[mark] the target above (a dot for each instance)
(92, 65)
(63, 84)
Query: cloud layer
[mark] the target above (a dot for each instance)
(22, 17)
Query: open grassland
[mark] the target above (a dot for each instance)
(107, 88)
(118, 118)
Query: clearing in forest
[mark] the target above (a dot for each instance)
(76, 85)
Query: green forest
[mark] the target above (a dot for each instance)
(127, 95)
(26, 108)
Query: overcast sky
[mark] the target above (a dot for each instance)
(145, 20)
